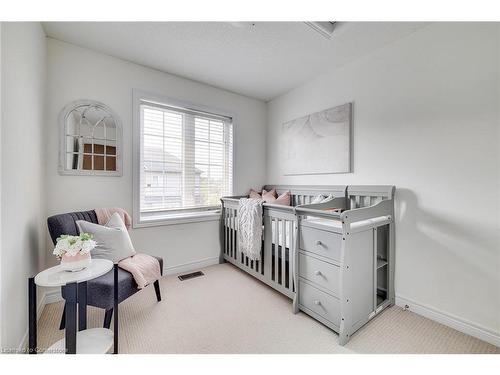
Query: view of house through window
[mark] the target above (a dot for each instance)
(185, 160)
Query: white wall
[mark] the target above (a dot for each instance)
(78, 73)
(1, 321)
(425, 120)
(23, 71)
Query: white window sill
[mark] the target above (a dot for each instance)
(176, 219)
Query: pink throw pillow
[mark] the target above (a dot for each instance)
(269, 196)
(283, 199)
(254, 194)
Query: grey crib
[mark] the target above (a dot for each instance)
(338, 267)
(280, 234)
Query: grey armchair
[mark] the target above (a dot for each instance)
(99, 291)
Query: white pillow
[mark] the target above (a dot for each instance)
(113, 241)
(328, 199)
(322, 198)
(317, 199)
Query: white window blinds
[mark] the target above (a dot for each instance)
(186, 160)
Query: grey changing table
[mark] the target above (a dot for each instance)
(345, 258)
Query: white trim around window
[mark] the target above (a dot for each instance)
(172, 216)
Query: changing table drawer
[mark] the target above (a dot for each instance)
(321, 242)
(322, 273)
(319, 302)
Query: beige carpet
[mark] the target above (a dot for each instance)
(228, 311)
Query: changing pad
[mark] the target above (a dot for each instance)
(321, 222)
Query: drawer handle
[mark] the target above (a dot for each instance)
(317, 273)
(319, 243)
(316, 302)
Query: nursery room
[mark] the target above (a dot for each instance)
(250, 187)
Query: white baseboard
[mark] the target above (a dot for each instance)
(52, 296)
(190, 266)
(451, 321)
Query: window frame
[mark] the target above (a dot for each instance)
(176, 217)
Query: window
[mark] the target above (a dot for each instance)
(184, 161)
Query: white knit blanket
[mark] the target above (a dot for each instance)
(250, 227)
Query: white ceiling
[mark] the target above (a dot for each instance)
(260, 61)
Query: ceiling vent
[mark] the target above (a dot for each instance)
(324, 28)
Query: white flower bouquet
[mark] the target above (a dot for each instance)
(74, 251)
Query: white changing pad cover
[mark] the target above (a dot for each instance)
(325, 222)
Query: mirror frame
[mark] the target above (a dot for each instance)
(63, 140)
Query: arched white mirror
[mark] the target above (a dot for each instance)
(90, 140)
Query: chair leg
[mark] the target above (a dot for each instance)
(157, 290)
(107, 318)
(62, 325)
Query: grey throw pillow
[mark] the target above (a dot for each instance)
(113, 241)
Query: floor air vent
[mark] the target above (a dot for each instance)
(191, 275)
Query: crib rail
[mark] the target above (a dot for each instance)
(278, 245)
(360, 196)
(280, 233)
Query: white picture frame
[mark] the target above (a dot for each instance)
(63, 140)
(319, 143)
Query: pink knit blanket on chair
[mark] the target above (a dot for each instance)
(104, 214)
(144, 268)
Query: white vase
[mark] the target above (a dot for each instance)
(76, 262)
